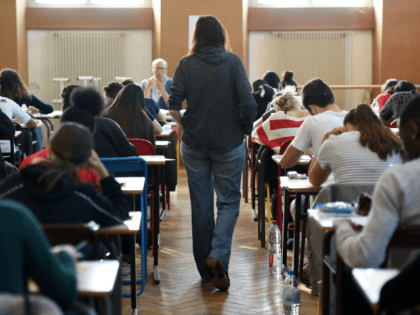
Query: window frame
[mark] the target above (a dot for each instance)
(90, 4)
(309, 4)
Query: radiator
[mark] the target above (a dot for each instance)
(86, 53)
(311, 54)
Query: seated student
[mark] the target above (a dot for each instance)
(280, 124)
(396, 202)
(319, 100)
(152, 107)
(272, 79)
(85, 108)
(15, 113)
(7, 129)
(53, 270)
(111, 91)
(12, 87)
(52, 189)
(358, 152)
(397, 294)
(287, 80)
(404, 91)
(263, 95)
(128, 110)
(387, 91)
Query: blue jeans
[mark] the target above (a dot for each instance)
(207, 172)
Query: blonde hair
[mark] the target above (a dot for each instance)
(286, 99)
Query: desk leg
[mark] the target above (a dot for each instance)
(156, 232)
(285, 227)
(47, 125)
(12, 152)
(133, 274)
(339, 285)
(162, 182)
(325, 295)
(296, 236)
(252, 177)
(261, 201)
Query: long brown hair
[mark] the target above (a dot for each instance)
(72, 144)
(209, 32)
(12, 85)
(128, 110)
(373, 134)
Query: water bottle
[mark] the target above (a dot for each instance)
(375, 106)
(274, 253)
(291, 294)
(25, 108)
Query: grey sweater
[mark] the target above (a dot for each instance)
(220, 106)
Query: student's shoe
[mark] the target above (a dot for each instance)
(305, 275)
(218, 274)
(290, 243)
(125, 267)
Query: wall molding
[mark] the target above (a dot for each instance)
(271, 19)
(88, 19)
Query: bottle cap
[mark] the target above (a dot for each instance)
(291, 272)
(274, 222)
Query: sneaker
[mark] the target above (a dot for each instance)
(125, 267)
(215, 270)
(290, 243)
(305, 275)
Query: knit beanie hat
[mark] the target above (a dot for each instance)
(398, 101)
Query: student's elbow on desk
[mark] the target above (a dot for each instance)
(31, 124)
(291, 157)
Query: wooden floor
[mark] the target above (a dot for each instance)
(181, 291)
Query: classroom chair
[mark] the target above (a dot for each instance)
(131, 164)
(145, 147)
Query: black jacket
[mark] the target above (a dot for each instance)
(220, 106)
(110, 140)
(263, 97)
(7, 129)
(67, 202)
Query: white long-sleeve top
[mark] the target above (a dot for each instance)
(396, 201)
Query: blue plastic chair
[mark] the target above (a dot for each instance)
(130, 164)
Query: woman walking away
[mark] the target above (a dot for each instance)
(220, 111)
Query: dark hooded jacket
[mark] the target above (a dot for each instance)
(263, 97)
(67, 202)
(220, 106)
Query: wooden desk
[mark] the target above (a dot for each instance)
(325, 221)
(130, 227)
(17, 134)
(131, 185)
(165, 133)
(162, 144)
(96, 278)
(46, 119)
(304, 161)
(370, 282)
(298, 187)
(157, 162)
(54, 115)
(30, 130)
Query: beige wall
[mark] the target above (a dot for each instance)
(395, 24)
(8, 35)
(174, 26)
(396, 44)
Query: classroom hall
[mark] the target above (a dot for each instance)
(353, 45)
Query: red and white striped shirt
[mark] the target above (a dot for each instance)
(277, 129)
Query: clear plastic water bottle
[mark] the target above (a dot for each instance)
(291, 294)
(274, 253)
(375, 106)
(24, 108)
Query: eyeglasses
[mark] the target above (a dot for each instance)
(160, 69)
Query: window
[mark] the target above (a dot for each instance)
(90, 3)
(313, 3)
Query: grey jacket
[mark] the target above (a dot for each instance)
(220, 106)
